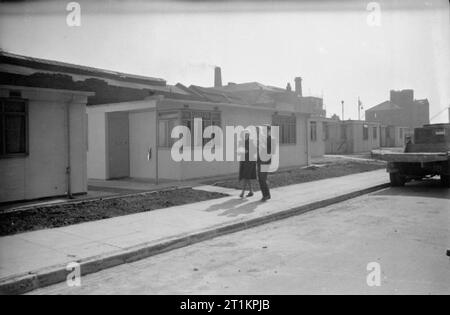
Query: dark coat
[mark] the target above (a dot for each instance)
(247, 168)
(268, 145)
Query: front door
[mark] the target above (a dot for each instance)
(118, 145)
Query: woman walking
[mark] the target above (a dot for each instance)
(247, 168)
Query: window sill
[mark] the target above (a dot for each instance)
(288, 144)
(14, 156)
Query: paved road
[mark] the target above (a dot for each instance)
(405, 230)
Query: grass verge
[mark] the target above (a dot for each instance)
(91, 210)
(324, 168)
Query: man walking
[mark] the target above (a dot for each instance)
(264, 145)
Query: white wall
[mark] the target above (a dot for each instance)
(290, 155)
(142, 137)
(359, 145)
(97, 161)
(96, 155)
(169, 169)
(297, 155)
(43, 172)
(335, 144)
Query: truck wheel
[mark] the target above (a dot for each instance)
(397, 180)
(445, 180)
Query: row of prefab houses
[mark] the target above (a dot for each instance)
(62, 124)
(354, 136)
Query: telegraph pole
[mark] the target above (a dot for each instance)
(342, 102)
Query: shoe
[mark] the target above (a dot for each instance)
(241, 195)
(250, 194)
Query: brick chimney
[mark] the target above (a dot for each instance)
(298, 86)
(217, 77)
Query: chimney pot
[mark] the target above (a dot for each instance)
(288, 87)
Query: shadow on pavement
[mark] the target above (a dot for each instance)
(244, 209)
(226, 205)
(234, 207)
(430, 188)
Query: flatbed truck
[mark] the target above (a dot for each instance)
(426, 154)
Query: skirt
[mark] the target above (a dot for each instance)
(247, 170)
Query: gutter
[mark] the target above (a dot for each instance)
(157, 144)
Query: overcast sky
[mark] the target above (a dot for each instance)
(332, 47)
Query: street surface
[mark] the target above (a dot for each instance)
(326, 251)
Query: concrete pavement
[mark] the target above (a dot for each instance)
(405, 230)
(34, 259)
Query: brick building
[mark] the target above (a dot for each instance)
(401, 110)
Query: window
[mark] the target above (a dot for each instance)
(366, 132)
(13, 127)
(313, 131)
(401, 133)
(167, 121)
(375, 132)
(288, 128)
(209, 118)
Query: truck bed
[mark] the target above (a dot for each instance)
(412, 157)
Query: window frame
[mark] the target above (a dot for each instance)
(161, 119)
(287, 127)
(3, 114)
(375, 133)
(215, 118)
(365, 132)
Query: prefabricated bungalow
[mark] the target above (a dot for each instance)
(42, 142)
(133, 139)
(43, 122)
(80, 122)
(395, 136)
(351, 136)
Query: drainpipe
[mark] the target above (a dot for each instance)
(308, 141)
(68, 167)
(157, 145)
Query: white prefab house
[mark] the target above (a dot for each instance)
(351, 136)
(133, 139)
(129, 123)
(42, 142)
(395, 136)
